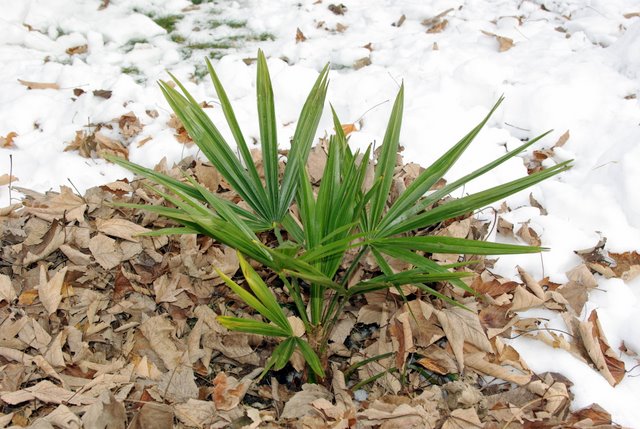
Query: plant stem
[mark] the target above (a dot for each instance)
(336, 301)
(276, 231)
(294, 292)
(347, 276)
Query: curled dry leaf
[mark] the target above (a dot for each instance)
(50, 242)
(478, 362)
(300, 36)
(504, 43)
(77, 50)
(7, 142)
(529, 235)
(228, 391)
(602, 355)
(129, 125)
(438, 27)
(47, 392)
(348, 128)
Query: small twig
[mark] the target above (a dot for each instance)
(76, 189)
(370, 109)
(394, 79)
(516, 127)
(541, 329)
(10, 177)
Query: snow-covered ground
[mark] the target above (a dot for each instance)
(573, 65)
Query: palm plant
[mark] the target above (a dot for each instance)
(315, 231)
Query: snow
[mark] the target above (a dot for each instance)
(575, 66)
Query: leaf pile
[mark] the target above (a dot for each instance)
(102, 327)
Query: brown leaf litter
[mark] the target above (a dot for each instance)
(103, 327)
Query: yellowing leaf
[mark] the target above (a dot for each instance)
(348, 128)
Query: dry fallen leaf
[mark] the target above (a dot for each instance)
(200, 414)
(400, 21)
(504, 43)
(462, 418)
(39, 85)
(601, 354)
(106, 413)
(47, 392)
(106, 251)
(228, 392)
(562, 140)
(348, 128)
(338, 9)
(102, 93)
(152, 415)
(50, 291)
(460, 326)
(300, 403)
(7, 292)
(529, 235)
(129, 125)
(300, 36)
(7, 142)
(121, 228)
(76, 50)
(178, 385)
(5, 179)
(362, 62)
(438, 27)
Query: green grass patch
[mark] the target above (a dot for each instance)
(178, 38)
(130, 70)
(229, 23)
(221, 44)
(128, 47)
(168, 22)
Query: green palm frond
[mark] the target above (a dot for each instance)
(313, 232)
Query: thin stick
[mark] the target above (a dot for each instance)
(10, 177)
